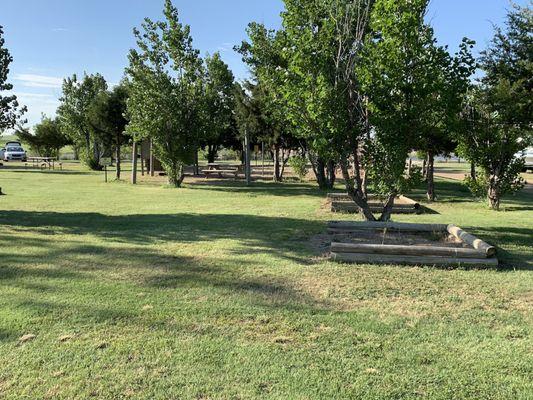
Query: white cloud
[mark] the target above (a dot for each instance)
(225, 47)
(60, 30)
(40, 81)
(38, 104)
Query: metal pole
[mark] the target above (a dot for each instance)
(247, 158)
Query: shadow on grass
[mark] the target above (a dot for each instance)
(271, 232)
(22, 170)
(506, 236)
(36, 262)
(99, 283)
(260, 187)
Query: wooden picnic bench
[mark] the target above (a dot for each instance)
(42, 162)
(220, 169)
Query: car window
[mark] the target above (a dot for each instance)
(15, 149)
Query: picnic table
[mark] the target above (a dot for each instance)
(220, 169)
(42, 162)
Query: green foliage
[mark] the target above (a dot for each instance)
(107, 116)
(264, 55)
(480, 185)
(218, 122)
(47, 139)
(165, 103)
(10, 110)
(74, 115)
(497, 117)
(299, 166)
(381, 173)
(404, 74)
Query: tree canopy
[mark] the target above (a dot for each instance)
(74, 113)
(47, 139)
(165, 103)
(10, 110)
(498, 112)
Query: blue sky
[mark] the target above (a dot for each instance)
(51, 39)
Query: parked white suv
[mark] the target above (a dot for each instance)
(527, 155)
(13, 152)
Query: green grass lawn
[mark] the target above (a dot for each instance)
(213, 292)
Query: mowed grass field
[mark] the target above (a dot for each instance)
(214, 292)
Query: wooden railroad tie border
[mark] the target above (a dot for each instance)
(413, 260)
(480, 253)
(341, 202)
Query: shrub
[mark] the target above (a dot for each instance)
(299, 166)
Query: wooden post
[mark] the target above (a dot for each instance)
(196, 162)
(248, 170)
(152, 172)
(263, 158)
(105, 173)
(134, 164)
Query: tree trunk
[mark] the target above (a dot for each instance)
(176, 175)
(322, 176)
(277, 164)
(332, 173)
(356, 194)
(118, 155)
(152, 171)
(387, 209)
(424, 168)
(430, 177)
(196, 163)
(134, 164)
(494, 195)
(247, 163)
(212, 152)
(473, 174)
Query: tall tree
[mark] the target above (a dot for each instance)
(10, 110)
(498, 116)
(165, 103)
(257, 116)
(107, 116)
(263, 54)
(48, 138)
(74, 113)
(446, 82)
(219, 104)
(403, 73)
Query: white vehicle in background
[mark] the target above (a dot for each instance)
(527, 155)
(13, 151)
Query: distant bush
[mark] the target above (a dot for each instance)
(480, 185)
(299, 166)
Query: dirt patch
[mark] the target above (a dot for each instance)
(321, 243)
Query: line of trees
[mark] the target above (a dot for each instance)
(353, 86)
(364, 83)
